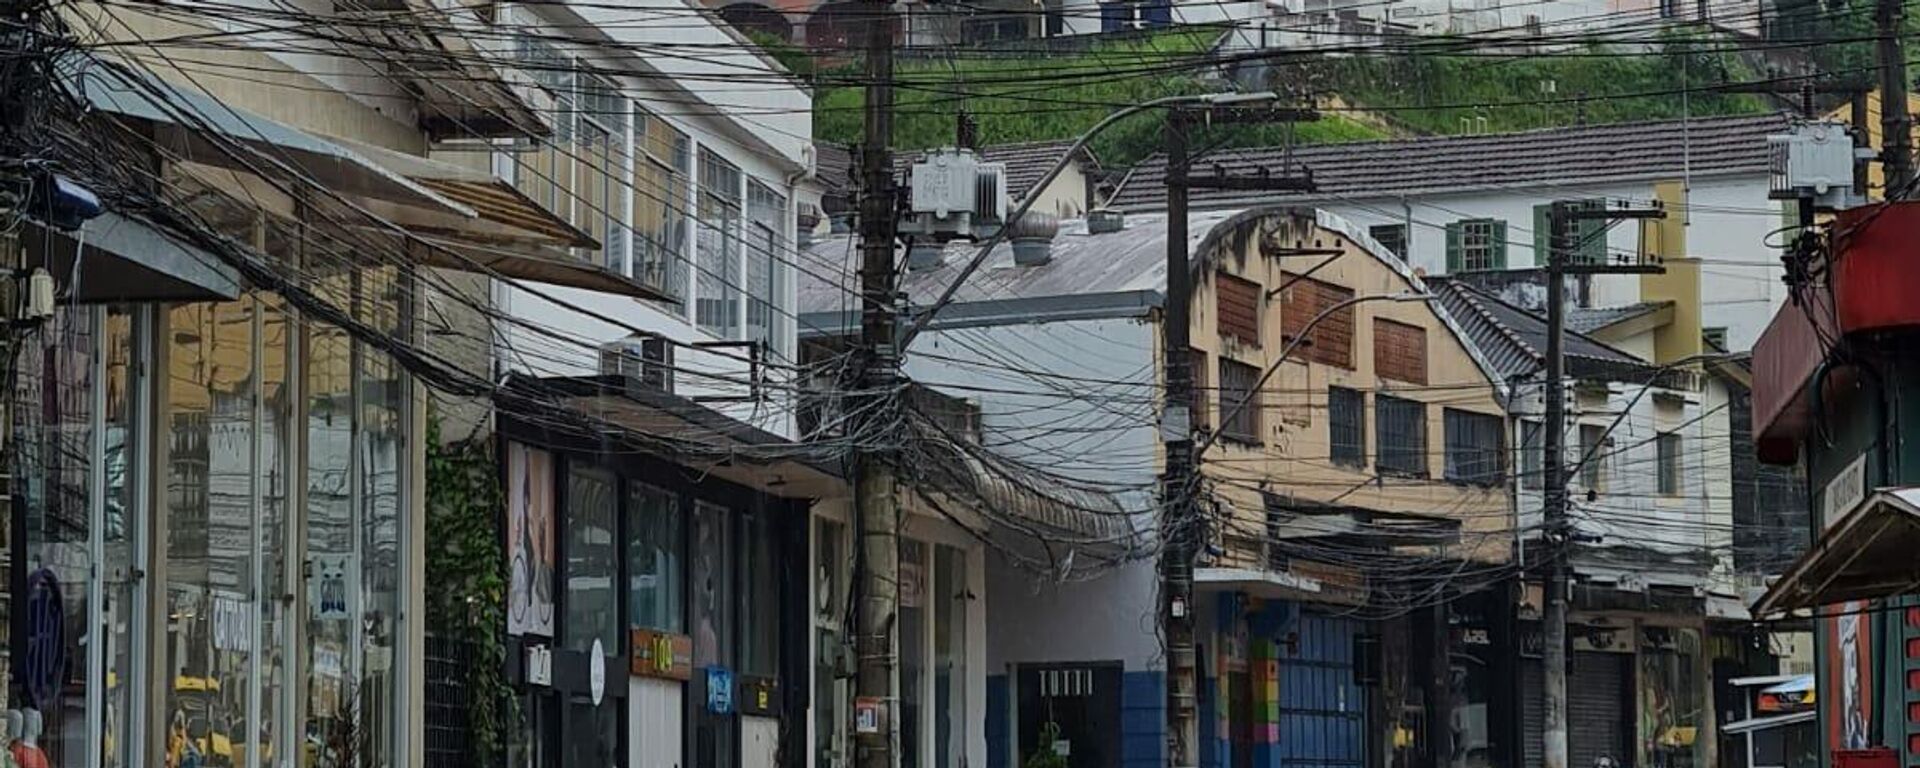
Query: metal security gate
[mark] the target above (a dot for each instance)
(1323, 714)
(1598, 694)
(1533, 714)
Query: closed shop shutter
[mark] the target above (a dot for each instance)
(1598, 693)
(1533, 712)
(1323, 722)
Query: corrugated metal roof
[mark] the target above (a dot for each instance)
(1130, 260)
(1514, 340)
(1441, 164)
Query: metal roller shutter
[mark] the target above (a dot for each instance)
(1533, 713)
(1599, 691)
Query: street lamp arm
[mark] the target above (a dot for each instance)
(1026, 201)
(1299, 337)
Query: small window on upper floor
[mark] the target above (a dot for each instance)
(1595, 448)
(1587, 238)
(1237, 305)
(1476, 446)
(1399, 351)
(1239, 421)
(1476, 245)
(1715, 338)
(1668, 445)
(1400, 436)
(1308, 307)
(1347, 426)
(1392, 237)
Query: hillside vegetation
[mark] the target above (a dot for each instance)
(1036, 96)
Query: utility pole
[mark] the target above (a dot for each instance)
(1180, 524)
(1896, 127)
(877, 508)
(1561, 245)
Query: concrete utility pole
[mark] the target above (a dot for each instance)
(1562, 242)
(1178, 521)
(1180, 524)
(1896, 127)
(877, 504)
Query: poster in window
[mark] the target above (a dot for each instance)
(1851, 674)
(529, 541)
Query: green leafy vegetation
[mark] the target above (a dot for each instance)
(1448, 94)
(1049, 98)
(466, 591)
(1042, 98)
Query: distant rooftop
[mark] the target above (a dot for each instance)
(1590, 319)
(1026, 163)
(1703, 146)
(1514, 340)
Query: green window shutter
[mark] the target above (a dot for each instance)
(1540, 232)
(1593, 234)
(1453, 247)
(1499, 243)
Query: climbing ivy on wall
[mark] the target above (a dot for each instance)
(466, 580)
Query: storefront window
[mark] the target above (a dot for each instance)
(913, 651)
(828, 586)
(712, 586)
(333, 593)
(381, 390)
(760, 603)
(591, 609)
(54, 429)
(119, 533)
(1672, 696)
(276, 412)
(209, 575)
(950, 656)
(593, 736)
(654, 560)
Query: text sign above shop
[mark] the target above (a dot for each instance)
(662, 654)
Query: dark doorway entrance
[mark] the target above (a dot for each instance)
(1083, 700)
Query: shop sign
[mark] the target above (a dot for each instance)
(720, 690)
(757, 695)
(1844, 492)
(1337, 584)
(1533, 643)
(539, 665)
(1475, 636)
(869, 716)
(662, 654)
(327, 591)
(597, 671)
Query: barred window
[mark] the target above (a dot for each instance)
(1347, 426)
(1400, 435)
(1668, 444)
(1474, 447)
(1237, 382)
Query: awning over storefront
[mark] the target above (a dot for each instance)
(504, 214)
(120, 258)
(471, 221)
(1866, 554)
(183, 120)
(676, 428)
(1299, 580)
(1769, 722)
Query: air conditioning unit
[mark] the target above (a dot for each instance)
(644, 360)
(956, 196)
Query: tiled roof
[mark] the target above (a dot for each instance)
(1590, 319)
(1514, 340)
(1585, 154)
(833, 165)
